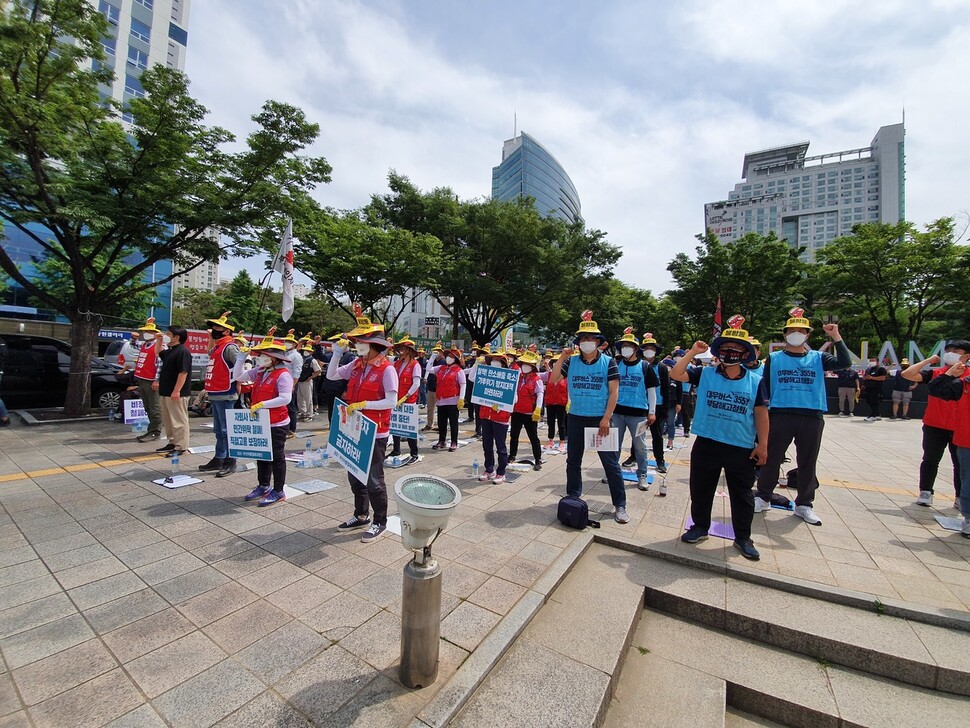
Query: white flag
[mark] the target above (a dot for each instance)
(283, 263)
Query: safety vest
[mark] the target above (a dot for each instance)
(725, 407)
(558, 393)
(366, 384)
(527, 394)
(939, 412)
(448, 381)
(659, 388)
(147, 365)
(266, 387)
(797, 382)
(588, 389)
(485, 412)
(405, 378)
(218, 376)
(633, 391)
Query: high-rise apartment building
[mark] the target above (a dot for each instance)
(811, 200)
(528, 169)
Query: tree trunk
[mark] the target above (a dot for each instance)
(84, 338)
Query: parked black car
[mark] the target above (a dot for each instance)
(35, 371)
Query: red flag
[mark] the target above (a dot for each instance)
(717, 318)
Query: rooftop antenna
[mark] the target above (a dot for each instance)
(515, 124)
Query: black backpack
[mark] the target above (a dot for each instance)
(307, 370)
(574, 512)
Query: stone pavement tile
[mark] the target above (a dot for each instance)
(377, 641)
(18, 555)
(169, 568)
(338, 617)
(318, 557)
(216, 603)
(187, 586)
(265, 533)
(381, 588)
(131, 541)
(156, 551)
(241, 522)
(861, 579)
(467, 625)
(143, 717)
(511, 695)
(303, 595)
(790, 564)
(55, 674)
(9, 702)
(282, 651)
(960, 577)
(92, 703)
(147, 634)
(269, 709)
(893, 565)
(209, 533)
(949, 653)
(48, 639)
(450, 547)
(330, 680)
(383, 703)
(27, 616)
(271, 578)
(244, 626)
(497, 595)
(124, 610)
(22, 572)
(89, 572)
(76, 557)
(923, 591)
(540, 553)
(846, 556)
(459, 579)
(208, 697)
(520, 570)
(241, 563)
(172, 664)
(106, 590)
(291, 543)
(224, 548)
(387, 550)
(348, 571)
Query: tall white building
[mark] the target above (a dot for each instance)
(810, 201)
(423, 318)
(204, 277)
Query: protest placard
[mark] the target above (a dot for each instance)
(404, 421)
(495, 385)
(134, 411)
(352, 440)
(249, 435)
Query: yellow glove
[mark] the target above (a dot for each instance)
(401, 401)
(461, 404)
(567, 407)
(351, 408)
(537, 415)
(255, 408)
(496, 408)
(343, 343)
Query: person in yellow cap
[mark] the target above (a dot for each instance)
(222, 390)
(636, 405)
(527, 410)
(449, 393)
(556, 398)
(495, 428)
(309, 372)
(147, 369)
(333, 389)
(409, 382)
(294, 362)
(431, 383)
(794, 381)
(272, 390)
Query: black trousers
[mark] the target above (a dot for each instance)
(291, 408)
(806, 432)
(372, 494)
(936, 440)
(518, 421)
(687, 410)
(412, 446)
(707, 459)
(276, 467)
(657, 435)
(872, 398)
(557, 419)
(448, 416)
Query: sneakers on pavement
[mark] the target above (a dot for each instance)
(621, 516)
(274, 496)
(761, 505)
(165, 448)
(925, 498)
(642, 483)
(214, 464)
(747, 549)
(628, 462)
(486, 476)
(228, 468)
(259, 491)
(662, 490)
(373, 533)
(498, 479)
(808, 515)
(150, 435)
(438, 446)
(354, 522)
(694, 534)
(412, 459)
(661, 467)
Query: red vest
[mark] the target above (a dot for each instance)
(405, 378)
(939, 412)
(147, 365)
(266, 387)
(218, 376)
(961, 417)
(448, 381)
(366, 384)
(558, 393)
(485, 412)
(527, 395)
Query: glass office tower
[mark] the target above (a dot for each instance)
(528, 169)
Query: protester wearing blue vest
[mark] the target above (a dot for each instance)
(594, 382)
(756, 365)
(636, 406)
(794, 379)
(731, 424)
(650, 350)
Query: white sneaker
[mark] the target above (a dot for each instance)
(642, 483)
(662, 490)
(761, 505)
(925, 498)
(620, 516)
(486, 476)
(808, 515)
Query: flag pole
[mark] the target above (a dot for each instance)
(264, 283)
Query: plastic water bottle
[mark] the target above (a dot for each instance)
(475, 468)
(140, 427)
(112, 414)
(324, 457)
(175, 465)
(307, 454)
(397, 461)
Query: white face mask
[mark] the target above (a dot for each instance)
(649, 353)
(166, 339)
(526, 368)
(872, 363)
(796, 338)
(363, 349)
(627, 351)
(449, 360)
(147, 337)
(949, 358)
(587, 347)
(264, 360)
(290, 347)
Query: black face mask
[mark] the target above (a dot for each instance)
(217, 334)
(731, 357)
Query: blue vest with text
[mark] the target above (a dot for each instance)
(797, 382)
(725, 407)
(633, 393)
(588, 389)
(660, 390)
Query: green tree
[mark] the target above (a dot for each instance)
(105, 192)
(241, 297)
(757, 276)
(191, 307)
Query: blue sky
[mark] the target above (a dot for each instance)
(650, 106)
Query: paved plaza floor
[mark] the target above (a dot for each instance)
(124, 603)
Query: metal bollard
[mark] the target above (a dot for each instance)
(420, 621)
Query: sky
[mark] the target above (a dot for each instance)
(650, 106)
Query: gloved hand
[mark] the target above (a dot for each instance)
(567, 407)
(351, 408)
(255, 408)
(496, 408)
(401, 401)
(537, 415)
(461, 404)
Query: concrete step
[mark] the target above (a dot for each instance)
(793, 689)
(655, 692)
(734, 718)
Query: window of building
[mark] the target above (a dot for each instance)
(140, 31)
(133, 86)
(137, 58)
(146, 3)
(109, 43)
(178, 34)
(112, 13)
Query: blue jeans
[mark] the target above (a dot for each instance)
(630, 423)
(963, 453)
(671, 421)
(576, 448)
(3, 410)
(219, 409)
(493, 441)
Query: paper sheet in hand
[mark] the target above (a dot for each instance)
(595, 442)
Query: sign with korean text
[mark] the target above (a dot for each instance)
(495, 385)
(134, 411)
(352, 440)
(249, 435)
(404, 421)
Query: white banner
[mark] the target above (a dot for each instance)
(404, 421)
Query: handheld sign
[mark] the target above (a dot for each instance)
(404, 421)
(352, 440)
(249, 435)
(134, 411)
(495, 385)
